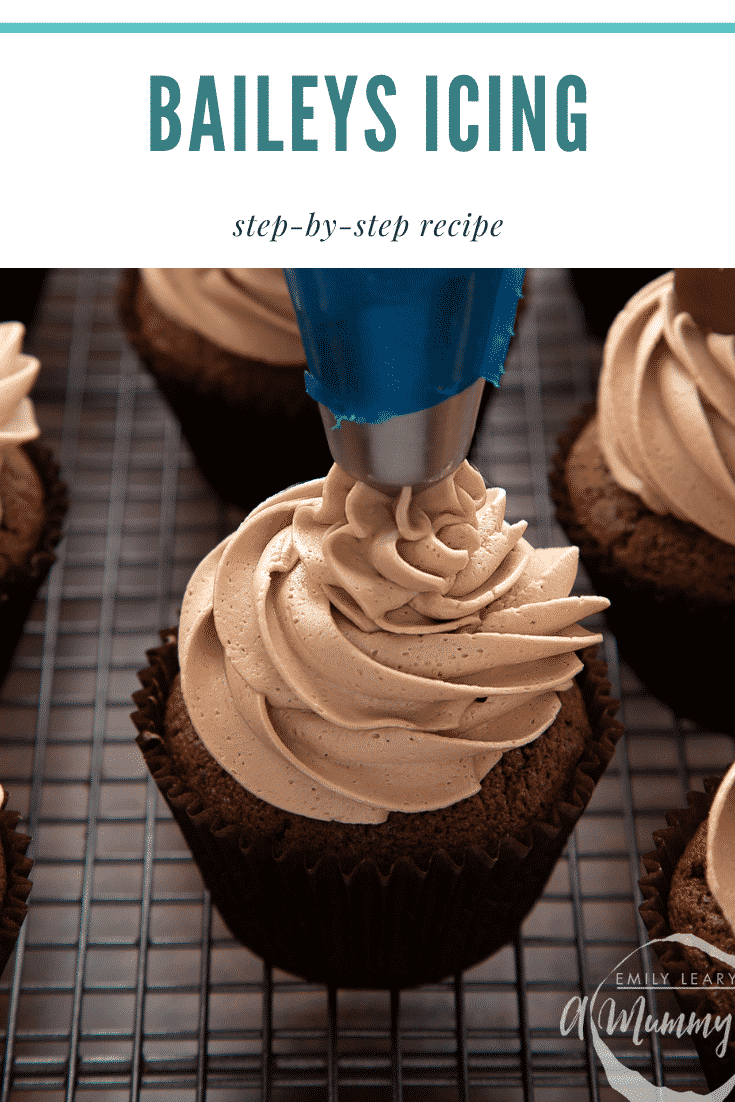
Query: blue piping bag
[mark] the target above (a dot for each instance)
(386, 345)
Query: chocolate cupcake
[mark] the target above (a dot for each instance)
(381, 736)
(14, 882)
(680, 898)
(646, 487)
(224, 348)
(32, 499)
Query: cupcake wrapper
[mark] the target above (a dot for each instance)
(364, 928)
(20, 584)
(13, 907)
(228, 406)
(660, 865)
(690, 666)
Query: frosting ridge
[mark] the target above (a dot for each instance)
(17, 375)
(248, 311)
(346, 652)
(666, 408)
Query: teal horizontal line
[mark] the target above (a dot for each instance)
(367, 28)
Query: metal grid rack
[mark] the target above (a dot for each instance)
(125, 983)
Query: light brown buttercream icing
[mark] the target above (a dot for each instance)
(248, 311)
(346, 653)
(667, 410)
(17, 375)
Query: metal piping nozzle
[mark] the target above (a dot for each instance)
(412, 449)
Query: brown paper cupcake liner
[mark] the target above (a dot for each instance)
(251, 425)
(13, 907)
(20, 584)
(367, 928)
(689, 663)
(660, 865)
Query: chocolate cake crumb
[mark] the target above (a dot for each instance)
(22, 508)
(654, 547)
(693, 909)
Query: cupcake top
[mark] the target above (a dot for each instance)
(347, 653)
(700, 901)
(666, 404)
(247, 311)
(693, 909)
(17, 375)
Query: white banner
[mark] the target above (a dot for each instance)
(188, 146)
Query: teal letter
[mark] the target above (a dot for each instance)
(389, 129)
(299, 112)
(161, 111)
(455, 122)
(432, 123)
(563, 118)
(206, 100)
(493, 114)
(340, 106)
(265, 145)
(535, 117)
(239, 127)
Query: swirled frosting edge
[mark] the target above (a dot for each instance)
(345, 654)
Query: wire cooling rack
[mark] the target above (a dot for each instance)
(125, 983)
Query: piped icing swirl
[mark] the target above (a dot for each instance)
(17, 375)
(666, 408)
(346, 653)
(248, 311)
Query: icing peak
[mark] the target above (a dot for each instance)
(406, 564)
(347, 652)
